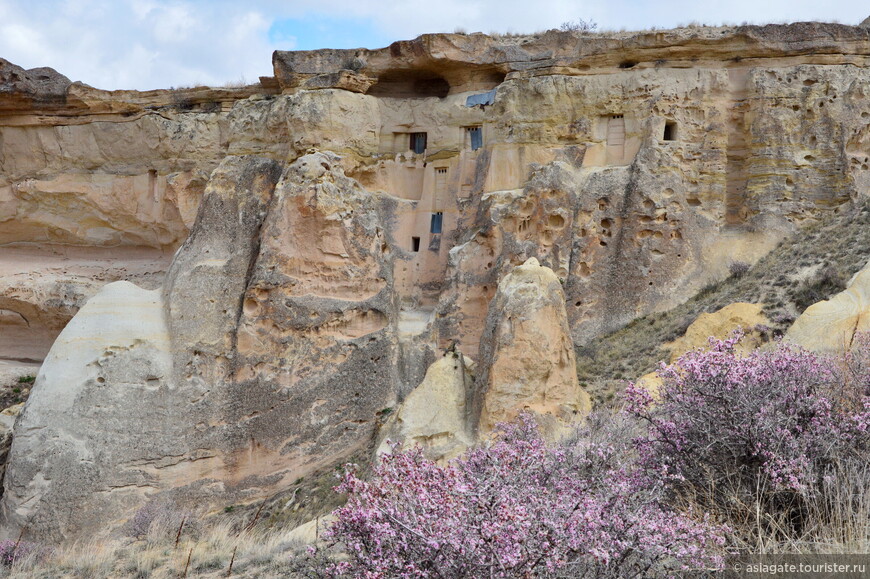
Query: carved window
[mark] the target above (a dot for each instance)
(670, 133)
(418, 143)
(474, 138)
(415, 244)
(435, 224)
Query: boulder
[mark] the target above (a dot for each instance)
(102, 405)
(830, 326)
(720, 324)
(434, 415)
(526, 355)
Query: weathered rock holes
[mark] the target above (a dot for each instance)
(693, 201)
(251, 306)
(648, 204)
(526, 209)
(585, 269)
(556, 221)
(645, 233)
(810, 82)
(603, 203)
(524, 224)
(547, 237)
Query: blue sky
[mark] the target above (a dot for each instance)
(147, 44)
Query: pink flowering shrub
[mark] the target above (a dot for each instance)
(518, 508)
(752, 437)
(12, 551)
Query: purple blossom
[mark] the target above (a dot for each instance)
(735, 432)
(518, 508)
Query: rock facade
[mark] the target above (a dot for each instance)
(309, 246)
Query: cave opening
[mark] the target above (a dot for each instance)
(410, 84)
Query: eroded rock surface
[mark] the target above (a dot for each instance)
(526, 354)
(261, 370)
(100, 407)
(435, 415)
(339, 227)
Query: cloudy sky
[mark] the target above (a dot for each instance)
(147, 44)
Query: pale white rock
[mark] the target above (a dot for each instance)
(434, 414)
(830, 326)
(97, 406)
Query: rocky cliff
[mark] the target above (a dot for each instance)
(306, 249)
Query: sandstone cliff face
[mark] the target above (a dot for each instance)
(269, 353)
(332, 240)
(667, 136)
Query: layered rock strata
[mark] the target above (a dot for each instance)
(341, 225)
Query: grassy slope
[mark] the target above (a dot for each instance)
(810, 266)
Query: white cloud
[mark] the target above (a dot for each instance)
(149, 44)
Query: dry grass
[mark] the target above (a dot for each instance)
(253, 552)
(815, 262)
(837, 520)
